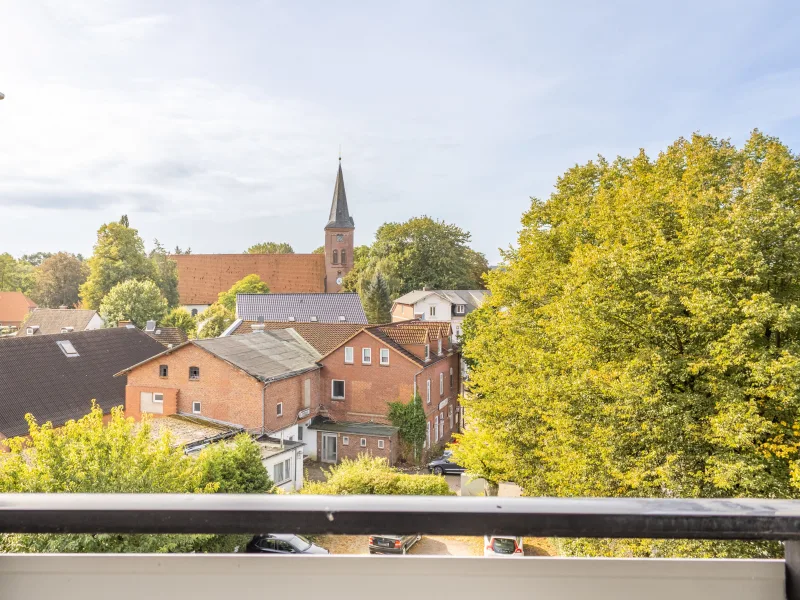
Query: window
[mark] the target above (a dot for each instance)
(441, 425)
(163, 370)
(345, 440)
(158, 398)
(451, 378)
(280, 409)
(441, 384)
(363, 442)
(194, 312)
(380, 444)
(429, 391)
(68, 349)
(29, 331)
(436, 429)
(432, 311)
(336, 257)
(451, 417)
(460, 309)
(384, 356)
(348, 355)
(196, 408)
(427, 351)
(339, 237)
(428, 434)
(344, 257)
(300, 433)
(194, 373)
(366, 356)
(337, 389)
(440, 347)
(282, 471)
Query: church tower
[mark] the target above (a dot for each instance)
(338, 237)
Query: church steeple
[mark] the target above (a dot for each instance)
(340, 216)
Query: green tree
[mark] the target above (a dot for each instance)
(320, 250)
(165, 274)
(16, 275)
(643, 338)
(270, 248)
(180, 318)
(377, 303)
(118, 256)
(220, 315)
(373, 475)
(36, 259)
(135, 301)
(121, 456)
(58, 281)
(409, 418)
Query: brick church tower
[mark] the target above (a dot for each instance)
(338, 238)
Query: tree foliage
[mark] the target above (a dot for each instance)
(409, 418)
(118, 256)
(220, 315)
(180, 318)
(58, 281)
(421, 252)
(135, 301)
(373, 475)
(165, 274)
(377, 303)
(643, 339)
(90, 456)
(16, 275)
(270, 248)
(320, 250)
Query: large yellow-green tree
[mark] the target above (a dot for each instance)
(643, 337)
(220, 315)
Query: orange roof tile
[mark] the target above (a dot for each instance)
(416, 332)
(324, 337)
(14, 307)
(201, 277)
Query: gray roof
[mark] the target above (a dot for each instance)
(323, 424)
(472, 299)
(53, 320)
(340, 217)
(301, 308)
(266, 356)
(271, 446)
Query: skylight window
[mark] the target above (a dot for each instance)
(67, 348)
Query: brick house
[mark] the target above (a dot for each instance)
(14, 308)
(389, 363)
(267, 382)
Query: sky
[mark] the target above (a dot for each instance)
(216, 125)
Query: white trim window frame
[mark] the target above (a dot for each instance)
(279, 408)
(441, 425)
(441, 384)
(381, 445)
(158, 398)
(427, 352)
(345, 440)
(432, 310)
(333, 389)
(436, 429)
(363, 443)
(440, 347)
(384, 354)
(428, 388)
(348, 355)
(451, 379)
(196, 407)
(366, 356)
(428, 434)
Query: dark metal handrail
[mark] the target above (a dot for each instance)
(743, 519)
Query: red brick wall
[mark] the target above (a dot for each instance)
(354, 448)
(224, 392)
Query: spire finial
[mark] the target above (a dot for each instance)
(340, 153)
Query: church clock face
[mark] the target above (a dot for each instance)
(338, 281)
(339, 237)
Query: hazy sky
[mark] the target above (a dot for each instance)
(217, 125)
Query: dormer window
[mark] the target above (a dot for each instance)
(460, 309)
(67, 329)
(433, 311)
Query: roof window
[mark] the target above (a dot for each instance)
(314, 319)
(67, 348)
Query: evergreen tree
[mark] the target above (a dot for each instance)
(377, 303)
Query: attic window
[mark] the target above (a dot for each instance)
(291, 319)
(67, 329)
(67, 348)
(314, 319)
(460, 309)
(32, 330)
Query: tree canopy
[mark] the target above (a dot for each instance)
(58, 280)
(180, 318)
(135, 301)
(220, 315)
(165, 273)
(377, 302)
(270, 248)
(121, 456)
(16, 275)
(643, 338)
(421, 252)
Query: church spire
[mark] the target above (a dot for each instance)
(340, 217)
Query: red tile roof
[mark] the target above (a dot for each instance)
(323, 336)
(201, 277)
(14, 307)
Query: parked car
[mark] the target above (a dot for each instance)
(392, 544)
(443, 464)
(283, 543)
(502, 545)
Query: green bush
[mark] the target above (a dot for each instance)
(373, 475)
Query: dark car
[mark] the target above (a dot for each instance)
(283, 543)
(392, 544)
(443, 465)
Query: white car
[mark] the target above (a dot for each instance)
(503, 545)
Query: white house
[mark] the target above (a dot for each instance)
(283, 460)
(45, 321)
(438, 305)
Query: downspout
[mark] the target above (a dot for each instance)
(264, 408)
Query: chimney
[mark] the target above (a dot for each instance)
(150, 326)
(424, 288)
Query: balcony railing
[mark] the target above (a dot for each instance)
(331, 577)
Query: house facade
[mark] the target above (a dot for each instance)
(201, 277)
(438, 305)
(267, 382)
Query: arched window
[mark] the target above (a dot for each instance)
(335, 257)
(344, 255)
(194, 312)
